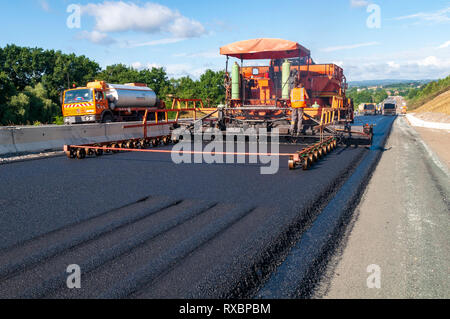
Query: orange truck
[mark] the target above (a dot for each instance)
(100, 102)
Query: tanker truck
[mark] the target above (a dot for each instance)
(100, 102)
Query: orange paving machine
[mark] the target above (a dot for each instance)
(259, 95)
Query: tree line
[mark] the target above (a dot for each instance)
(416, 97)
(366, 96)
(32, 79)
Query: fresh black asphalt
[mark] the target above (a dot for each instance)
(141, 226)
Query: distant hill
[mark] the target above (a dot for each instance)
(386, 82)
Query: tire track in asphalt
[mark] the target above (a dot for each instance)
(21, 256)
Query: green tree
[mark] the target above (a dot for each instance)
(186, 88)
(16, 110)
(17, 63)
(7, 89)
(379, 96)
(30, 66)
(29, 106)
(32, 79)
(41, 108)
(212, 88)
(366, 96)
(418, 97)
(156, 79)
(68, 70)
(118, 74)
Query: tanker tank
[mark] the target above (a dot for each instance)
(126, 96)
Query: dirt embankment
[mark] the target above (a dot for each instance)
(437, 110)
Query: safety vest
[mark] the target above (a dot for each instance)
(298, 98)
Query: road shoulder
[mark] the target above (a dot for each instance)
(401, 225)
(438, 141)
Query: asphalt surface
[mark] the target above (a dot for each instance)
(142, 227)
(302, 269)
(401, 225)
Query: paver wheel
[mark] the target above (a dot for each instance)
(306, 163)
(291, 164)
(81, 153)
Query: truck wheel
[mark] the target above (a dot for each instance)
(107, 118)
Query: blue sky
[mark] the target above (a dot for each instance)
(411, 42)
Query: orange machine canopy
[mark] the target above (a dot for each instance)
(264, 49)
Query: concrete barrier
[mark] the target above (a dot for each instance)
(118, 132)
(7, 141)
(30, 139)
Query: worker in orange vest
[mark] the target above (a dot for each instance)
(298, 104)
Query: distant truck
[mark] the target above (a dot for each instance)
(369, 109)
(389, 108)
(379, 108)
(100, 102)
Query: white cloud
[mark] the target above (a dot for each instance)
(444, 45)
(429, 67)
(153, 18)
(429, 61)
(349, 47)
(393, 65)
(424, 62)
(152, 43)
(96, 37)
(176, 70)
(359, 3)
(440, 16)
(44, 5)
(185, 27)
(137, 65)
(204, 54)
(140, 66)
(179, 70)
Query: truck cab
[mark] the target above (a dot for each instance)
(369, 109)
(86, 104)
(389, 109)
